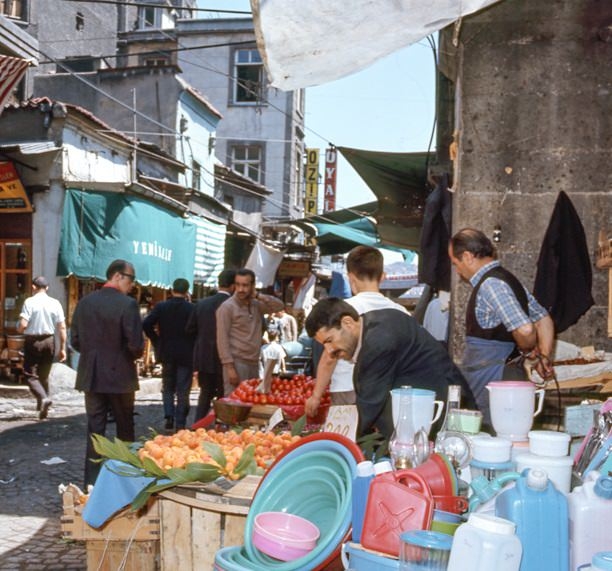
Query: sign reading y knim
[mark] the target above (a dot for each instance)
(312, 182)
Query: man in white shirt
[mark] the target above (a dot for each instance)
(364, 266)
(40, 318)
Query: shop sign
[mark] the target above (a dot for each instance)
(13, 197)
(293, 269)
(312, 181)
(329, 197)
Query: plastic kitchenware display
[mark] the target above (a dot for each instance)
(490, 457)
(590, 513)
(422, 549)
(446, 522)
(512, 406)
(540, 513)
(486, 543)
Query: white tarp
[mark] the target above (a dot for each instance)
(264, 261)
(317, 41)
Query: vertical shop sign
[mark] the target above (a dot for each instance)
(13, 197)
(312, 181)
(329, 199)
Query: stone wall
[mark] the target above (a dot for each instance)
(534, 112)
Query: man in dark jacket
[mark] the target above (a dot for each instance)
(166, 327)
(390, 350)
(203, 323)
(107, 331)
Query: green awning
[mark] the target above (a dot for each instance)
(99, 227)
(399, 181)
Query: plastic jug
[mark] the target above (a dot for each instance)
(540, 513)
(485, 543)
(398, 501)
(590, 512)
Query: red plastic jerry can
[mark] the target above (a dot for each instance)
(398, 501)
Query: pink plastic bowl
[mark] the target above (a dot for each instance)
(284, 536)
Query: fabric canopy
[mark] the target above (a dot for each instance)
(314, 42)
(399, 181)
(99, 227)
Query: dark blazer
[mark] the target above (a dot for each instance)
(397, 351)
(172, 343)
(203, 323)
(107, 331)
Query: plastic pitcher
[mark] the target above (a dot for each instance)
(540, 513)
(590, 509)
(512, 406)
(425, 408)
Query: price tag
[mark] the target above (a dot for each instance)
(276, 418)
(342, 420)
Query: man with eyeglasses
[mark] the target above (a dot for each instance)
(107, 331)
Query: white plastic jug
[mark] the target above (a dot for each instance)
(512, 406)
(590, 513)
(485, 543)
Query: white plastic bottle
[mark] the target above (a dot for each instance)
(590, 513)
(485, 543)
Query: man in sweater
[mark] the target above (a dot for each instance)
(240, 328)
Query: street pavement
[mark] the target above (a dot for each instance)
(30, 503)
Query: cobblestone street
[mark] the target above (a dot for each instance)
(30, 504)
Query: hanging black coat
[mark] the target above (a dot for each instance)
(564, 278)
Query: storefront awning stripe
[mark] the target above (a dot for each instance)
(209, 251)
(99, 227)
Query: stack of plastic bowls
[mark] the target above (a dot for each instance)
(313, 480)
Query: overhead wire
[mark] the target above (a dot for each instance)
(167, 6)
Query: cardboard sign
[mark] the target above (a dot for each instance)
(342, 420)
(276, 418)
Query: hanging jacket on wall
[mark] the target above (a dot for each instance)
(564, 279)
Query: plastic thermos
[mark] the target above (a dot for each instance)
(361, 489)
(485, 543)
(590, 513)
(540, 513)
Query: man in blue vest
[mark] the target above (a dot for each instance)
(502, 318)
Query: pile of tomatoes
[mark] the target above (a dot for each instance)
(284, 392)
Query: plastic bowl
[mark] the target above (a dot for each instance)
(283, 535)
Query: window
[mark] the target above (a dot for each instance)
(196, 174)
(78, 65)
(148, 17)
(248, 77)
(11, 8)
(158, 61)
(246, 160)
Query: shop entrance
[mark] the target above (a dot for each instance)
(15, 280)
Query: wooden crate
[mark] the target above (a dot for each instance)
(126, 555)
(195, 524)
(125, 525)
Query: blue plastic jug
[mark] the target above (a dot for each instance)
(540, 513)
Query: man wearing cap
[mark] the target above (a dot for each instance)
(40, 318)
(107, 331)
(166, 327)
(203, 324)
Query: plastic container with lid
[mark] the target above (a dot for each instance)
(558, 468)
(590, 511)
(540, 513)
(491, 457)
(601, 561)
(422, 549)
(485, 543)
(548, 443)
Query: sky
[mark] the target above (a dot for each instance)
(389, 106)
